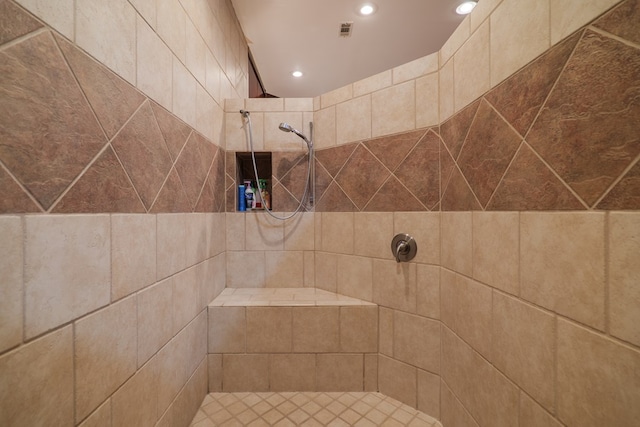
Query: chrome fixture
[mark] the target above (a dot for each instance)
(404, 247)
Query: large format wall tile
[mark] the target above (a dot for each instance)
(111, 333)
(142, 151)
(14, 22)
(48, 130)
(562, 264)
(587, 129)
(490, 397)
(103, 89)
(67, 269)
(104, 187)
(598, 379)
(37, 382)
(54, 134)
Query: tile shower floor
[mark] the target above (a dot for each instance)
(307, 409)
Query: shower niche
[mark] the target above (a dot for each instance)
(245, 172)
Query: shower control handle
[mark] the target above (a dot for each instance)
(404, 247)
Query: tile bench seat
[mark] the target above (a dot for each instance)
(291, 339)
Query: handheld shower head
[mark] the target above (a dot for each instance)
(286, 127)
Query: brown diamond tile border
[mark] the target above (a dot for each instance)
(48, 131)
(520, 97)
(454, 131)
(141, 149)
(104, 187)
(103, 88)
(13, 199)
(333, 159)
(588, 128)
(623, 21)
(391, 150)
(487, 151)
(172, 197)
(626, 193)
(361, 176)
(14, 22)
(529, 184)
(393, 196)
(420, 170)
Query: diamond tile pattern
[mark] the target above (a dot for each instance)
(307, 409)
(560, 134)
(78, 138)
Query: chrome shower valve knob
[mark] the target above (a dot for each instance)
(404, 247)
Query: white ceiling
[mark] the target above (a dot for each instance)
(288, 35)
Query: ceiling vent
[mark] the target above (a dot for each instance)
(345, 29)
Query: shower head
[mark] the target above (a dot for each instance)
(286, 127)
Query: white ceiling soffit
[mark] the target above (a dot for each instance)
(288, 35)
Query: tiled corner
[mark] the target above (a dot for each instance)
(11, 283)
(488, 396)
(416, 341)
(428, 393)
(397, 380)
(227, 329)
(623, 268)
(60, 17)
(532, 414)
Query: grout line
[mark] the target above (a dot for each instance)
(77, 178)
(616, 181)
(24, 189)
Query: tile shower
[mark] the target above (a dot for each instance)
(519, 181)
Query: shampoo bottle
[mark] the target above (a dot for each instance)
(241, 199)
(248, 195)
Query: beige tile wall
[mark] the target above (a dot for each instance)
(112, 328)
(493, 42)
(147, 42)
(481, 283)
(266, 116)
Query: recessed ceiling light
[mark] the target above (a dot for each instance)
(297, 74)
(466, 7)
(367, 9)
